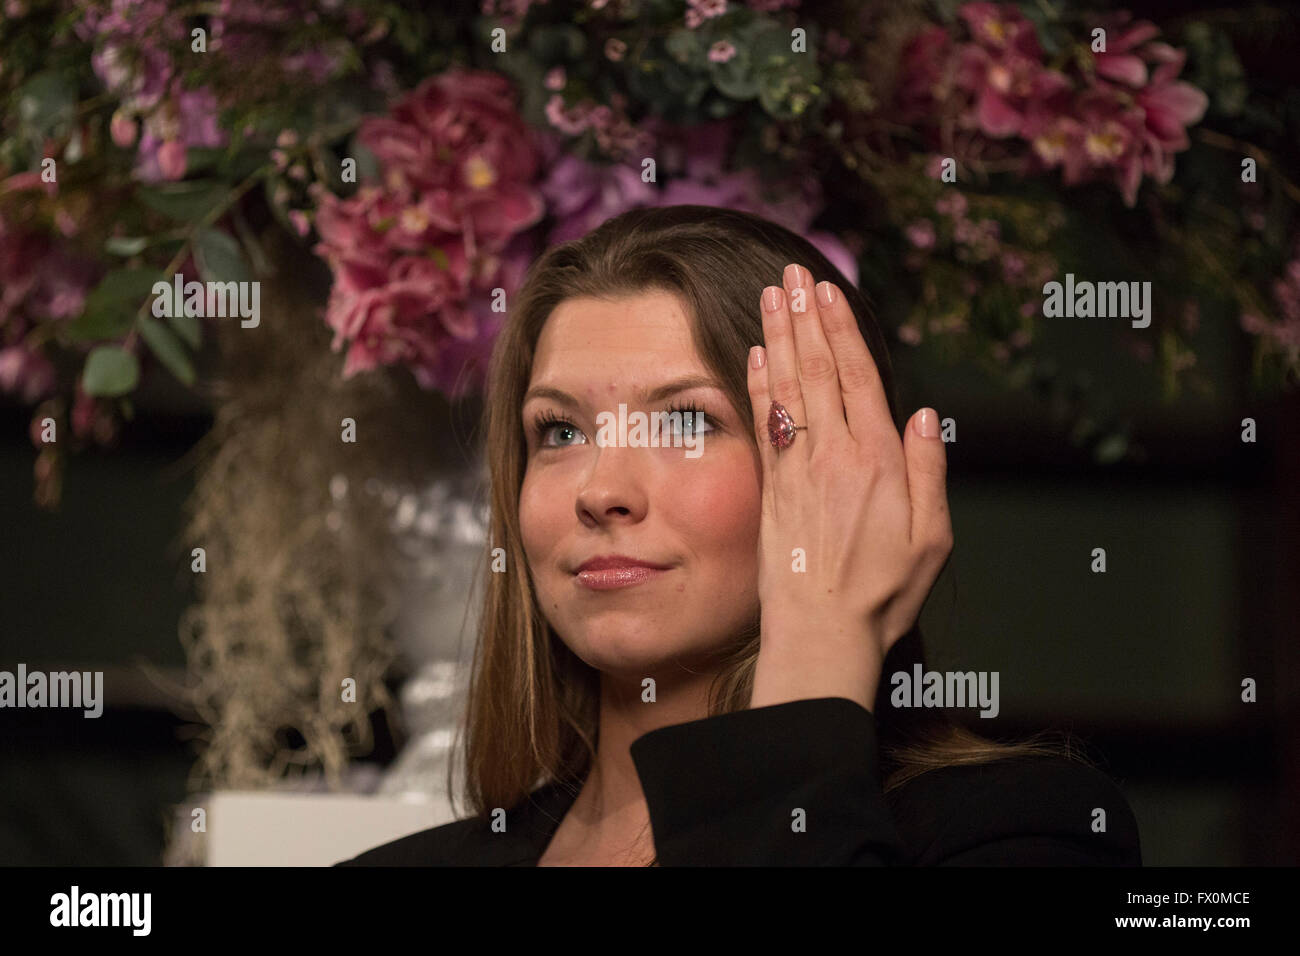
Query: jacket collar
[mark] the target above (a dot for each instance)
(532, 824)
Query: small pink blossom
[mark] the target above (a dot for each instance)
(123, 129)
(172, 159)
(921, 234)
(615, 49)
(721, 52)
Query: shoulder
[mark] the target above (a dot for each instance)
(451, 844)
(1025, 810)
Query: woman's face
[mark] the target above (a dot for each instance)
(692, 510)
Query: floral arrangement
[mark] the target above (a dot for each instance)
(425, 158)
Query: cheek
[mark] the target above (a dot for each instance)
(541, 514)
(719, 507)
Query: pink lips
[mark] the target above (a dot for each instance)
(616, 571)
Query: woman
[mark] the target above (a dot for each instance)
(623, 663)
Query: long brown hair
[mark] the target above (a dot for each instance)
(532, 708)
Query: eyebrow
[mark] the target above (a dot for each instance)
(650, 397)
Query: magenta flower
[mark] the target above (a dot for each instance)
(415, 259)
(1119, 63)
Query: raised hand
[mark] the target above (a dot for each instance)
(855, 523)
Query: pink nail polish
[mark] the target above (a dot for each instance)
(772, 298)
(756, 357)
(825, 293)
(928, 423)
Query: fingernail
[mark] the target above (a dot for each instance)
(825, 293)
(757, 357)
(772, 298)
(793, 275)
(928, 423)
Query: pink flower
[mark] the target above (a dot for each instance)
(123, 129)
(921, 234)
(415, 260)
(909, 334)
(721, 52)
(301, 224)
(1000, 27)
(615, 49)
(1170, 106)
(171, 160)
(1118, 63)
(28, 373)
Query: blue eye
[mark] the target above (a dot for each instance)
(569, 433)
(693, 419)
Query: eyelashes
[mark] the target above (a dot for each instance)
(547, 420)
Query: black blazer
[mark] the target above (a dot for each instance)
(723, 791)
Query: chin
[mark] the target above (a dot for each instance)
(635, 651)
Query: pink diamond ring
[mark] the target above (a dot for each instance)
(781, 427)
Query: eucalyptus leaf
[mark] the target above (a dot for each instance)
(130, 287)
(110, 371)
(167, 348)
(46, 101)
(112, 305)
(187, 327)
(185, 201)
(104, 322)
(735, 78)
(219, 258)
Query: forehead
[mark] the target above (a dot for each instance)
(641, 337)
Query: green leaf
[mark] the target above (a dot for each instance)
(219, 258)
(685, 47)
(130, 286)
(110, 371)
(167, 348)
(125, 245)
(735, 78)
(184, 202)
(111, 306)
(46, 101)
(201, 159)
(104, 323)
(187, 327)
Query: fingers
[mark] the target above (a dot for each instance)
(761, 400)
(927, 483)
(782, 373)
(814, 360)
(863, 394)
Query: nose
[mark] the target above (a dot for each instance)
(613, 490)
